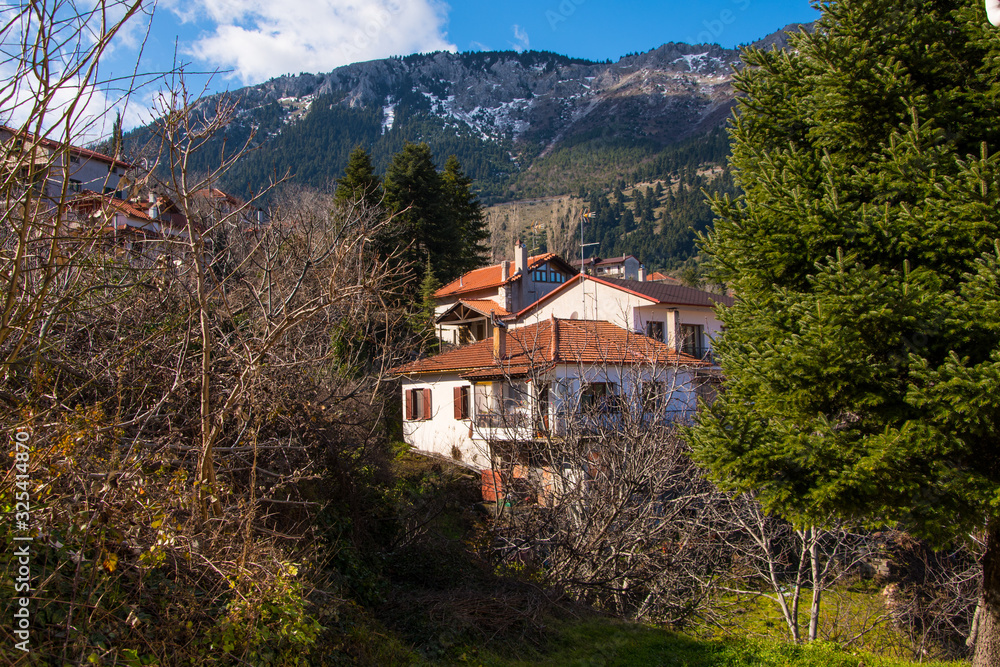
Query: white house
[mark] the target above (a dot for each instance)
(626, 266)
(51, 165)
(539, 381)
(682, 317)
(467, 306)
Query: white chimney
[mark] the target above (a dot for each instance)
(642, 273)
(520, 257)
(504, 270)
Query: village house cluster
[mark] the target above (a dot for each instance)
(535, 350)
(93, 193)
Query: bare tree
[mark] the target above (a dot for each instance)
(187, 420)
(782, 563)
(600, 494)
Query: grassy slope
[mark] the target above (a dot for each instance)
(447, 607)
(605, 642)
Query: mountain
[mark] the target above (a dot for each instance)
(523, 125)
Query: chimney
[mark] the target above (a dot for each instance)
(504, 270)
(154, 206)
(520, 257)
(499, 340)
(642, 273)
(553, 338)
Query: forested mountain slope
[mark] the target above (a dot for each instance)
(523, 125)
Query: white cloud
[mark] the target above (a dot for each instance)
(260, 39)
(521, 35)
(65, 98)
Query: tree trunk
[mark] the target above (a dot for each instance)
(988, 639)
(817, 584)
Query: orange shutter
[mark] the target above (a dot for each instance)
(427, 404)
(458, 403)
(411, 404)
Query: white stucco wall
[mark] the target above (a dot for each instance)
(595, 301)
(442, 433)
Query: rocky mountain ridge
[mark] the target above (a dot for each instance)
(523, 124)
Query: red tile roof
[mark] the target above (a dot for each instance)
(553, 341)
(88, 200)
(656, 276)
(485, 306)
(614, 260)
(488, 276)
(669, 293)
(656, 292)
(219, 195)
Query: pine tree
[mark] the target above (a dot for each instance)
(468, 213)
(424, 225)
(425, 315)
(862, 358)
(116, 136)
(360, 183)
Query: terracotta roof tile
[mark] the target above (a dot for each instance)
(532, 347)
(614, 260)
(93, 200)
(656, 276)
(488, 276)
(485, 306)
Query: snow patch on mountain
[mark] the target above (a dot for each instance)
(388, 117)
(492, 123)
(701, 62)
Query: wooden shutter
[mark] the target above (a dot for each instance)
(411, 404)
(458, 403)
(427, 404)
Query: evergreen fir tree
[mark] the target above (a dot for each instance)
(862, 358)
(425, 226)
(470, 220)
(425, 316)
(359, 183)
(116, 136)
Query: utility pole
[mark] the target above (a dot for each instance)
(583, 251)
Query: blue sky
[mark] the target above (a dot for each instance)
(249, 41)
(253, 40)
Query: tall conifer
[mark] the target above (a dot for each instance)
(359, 183)
(862, 358)
(468, 212)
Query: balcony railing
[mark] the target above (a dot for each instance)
(502, 420)
(699, 352)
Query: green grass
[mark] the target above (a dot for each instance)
(447, 607)
(605, 642)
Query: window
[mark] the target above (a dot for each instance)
(462, 403)
(599, 397)
(691, 340)
(515, 396)
(75, 185)
(655, 330)
(75, 159)
(418, 404)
